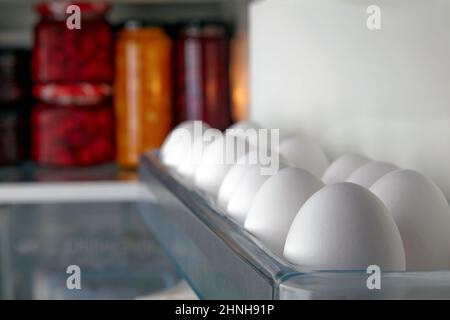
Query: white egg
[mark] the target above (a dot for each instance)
(234, 176)
(344, 227)
(244, 125)
(242, 197)
(217, 160)
(252, 132)
(285, 134)
(179, 141)
(176, 143)
(422, 214)
(276, 204)
(343, 167)
(369, 173)
(190, 163)
(302, 152)
(232, 179)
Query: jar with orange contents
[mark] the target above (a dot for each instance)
(143, 90)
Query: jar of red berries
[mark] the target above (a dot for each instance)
(72, 135)
(65, 53)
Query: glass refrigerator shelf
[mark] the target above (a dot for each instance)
(221, 260)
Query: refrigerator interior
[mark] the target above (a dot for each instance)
(315, 69)
(42, 232)
(380, 93)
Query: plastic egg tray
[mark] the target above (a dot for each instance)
(220, 260)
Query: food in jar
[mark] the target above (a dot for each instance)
(72, 136)
(143, 91)
(72, 55)
(14, 134)
(202, 74)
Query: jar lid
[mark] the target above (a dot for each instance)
(82, 94)
(204, 28)
(134, 24)
(58, 8)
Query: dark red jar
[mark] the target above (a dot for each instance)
(15, 96)
(66, 55)
(14, 76)
(14, 134)
(72, 135)
(202, 74)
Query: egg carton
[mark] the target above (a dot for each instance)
(221, 260)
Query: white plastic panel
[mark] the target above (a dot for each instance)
(317, 68)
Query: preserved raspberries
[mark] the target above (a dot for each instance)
(72, 69)
(72, 136)
(64, 55)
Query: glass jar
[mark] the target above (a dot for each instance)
(14, 76)
(239, 77)
(72, 135)
(67, 55)
(82, 94)
(202, 74)
(143, 90)
(14, 135)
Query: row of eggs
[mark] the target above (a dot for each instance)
(346, 215)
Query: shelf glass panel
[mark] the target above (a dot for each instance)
(118, 257)
(223, 261)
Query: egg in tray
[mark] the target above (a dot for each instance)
(281, 188)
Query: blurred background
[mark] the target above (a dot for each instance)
(107, 92)
(80, 106)
(77, 108)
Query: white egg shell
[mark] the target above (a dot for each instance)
(343, 167)
(285, 135)
(232, 179)
(304, 153)
(344, 227)
(422, 214)
(234, 176)
(276, 204)
(244, 125)
(242, 198)
(178, 142)
(217, 160)
(247, 130)
(369, 173)
(190, 163)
